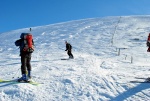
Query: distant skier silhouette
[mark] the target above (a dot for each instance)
(69, 50)
(148, 43)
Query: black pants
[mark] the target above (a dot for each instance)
(25, 62)
(70, 54)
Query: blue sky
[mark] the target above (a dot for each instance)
(17, 14)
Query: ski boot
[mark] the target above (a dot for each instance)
(29, 75)
(148, 79)
(71, 57)
(23, 78)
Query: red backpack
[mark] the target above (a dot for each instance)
(27, 42)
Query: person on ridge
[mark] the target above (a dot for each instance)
(25, 53)
(69, 50)
(148, 43)
(148, 50)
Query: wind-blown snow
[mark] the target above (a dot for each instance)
(98, 72)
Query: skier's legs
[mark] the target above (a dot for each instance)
(29, 65)
(23, 64)
(148, 50)
(70, 54)
(28, 62)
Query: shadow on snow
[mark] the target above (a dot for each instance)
(132, 91)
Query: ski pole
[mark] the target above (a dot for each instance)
(16, 73)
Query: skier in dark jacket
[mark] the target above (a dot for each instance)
(148, 43)
(148, 50)
(25, 61)
(69, 50)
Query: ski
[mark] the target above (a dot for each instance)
(140, 78)
(136, 81)
(30, 82)
(16, 82)
(144, 80)
(65, 59)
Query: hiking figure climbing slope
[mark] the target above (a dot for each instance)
(25, 44)
(148, 43)
(69, 50)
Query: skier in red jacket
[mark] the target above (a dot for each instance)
(148, 43)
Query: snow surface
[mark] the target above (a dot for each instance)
(109, 53)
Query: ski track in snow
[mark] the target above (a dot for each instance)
(97, 73)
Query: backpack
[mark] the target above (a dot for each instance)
(70, 46)
(26, 42)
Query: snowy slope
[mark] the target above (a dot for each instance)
(98, 72)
